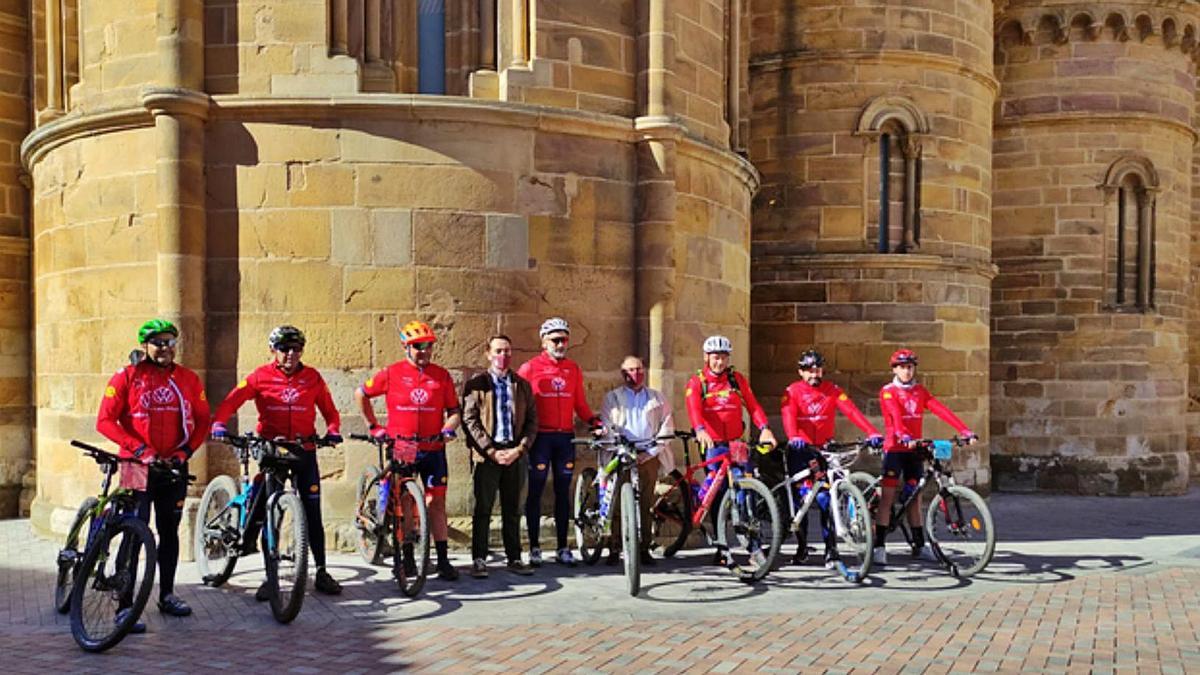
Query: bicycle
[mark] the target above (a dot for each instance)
(394, 483)
(224, 516)
(851, 521)
(110, 582)
(958, 521)
(594, 494)
(748, 512)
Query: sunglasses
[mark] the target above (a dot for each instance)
(286, 349)
(559, 340)
(161, 342)
(422, 346)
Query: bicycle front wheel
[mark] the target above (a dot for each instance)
(287, 556)
(629, 538)
(672, 514)
(71, 555)
(589, 526)
(960, 530)
(368, 517)
(217, 532)
(411, 556)
(116, 574)
(749, 527)
(855, 535)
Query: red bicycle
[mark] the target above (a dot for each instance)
(748, 523)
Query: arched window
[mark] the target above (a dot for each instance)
(1130, 186)
(894, 127)
(431, 47)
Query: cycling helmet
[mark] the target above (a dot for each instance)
(285, 335)
(417, 331)
(717, 343)
(902, 357)
(811, 359)
(154, 327)
(554, 325)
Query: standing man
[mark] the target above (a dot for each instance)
(558, 391)
(156, 410)
(808, 410)
(639, 413)
(287, 394)
(500, 419)
(421, 403)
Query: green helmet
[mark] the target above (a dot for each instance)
(154, 327)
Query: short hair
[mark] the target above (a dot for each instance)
(498, 336)
(640, 360)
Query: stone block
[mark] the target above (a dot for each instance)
(320, 185)
(448, 239)
(446, 292)
(367, 288)
(434, 187)
(350, 236)
(391, 236)
(284, 233)
(290, 286)
(507, 242)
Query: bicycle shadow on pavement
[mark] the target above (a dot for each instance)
(1018, 567)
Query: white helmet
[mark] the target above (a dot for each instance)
(554, 325)
(717, 343)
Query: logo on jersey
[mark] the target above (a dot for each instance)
(911, 407)
(158, 396)
(419, 396)
(558, 384)
(814, 408)
(289, 395)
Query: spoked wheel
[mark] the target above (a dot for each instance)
(410, 559)
(217, 536)
(866, 484)
(855, 536)
(72, 554)
(589, 527)
(368, 517)
(749, 526)
(113, 584)
(629, 538)
(960, 530)
(287, 556)
(672, 514)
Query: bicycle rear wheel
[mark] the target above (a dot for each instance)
(589, 526)
(960, 530)
(413, 532)
(749, 527)
(629, 538)
(70, 556)
(217, 532)
(368, 517)
(855, 537)
(287, 556)
(672, 514)
(117, 573)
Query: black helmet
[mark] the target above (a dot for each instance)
(811, 359)
(285, 335)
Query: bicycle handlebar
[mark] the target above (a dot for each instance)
(107, 458)
(386, 439)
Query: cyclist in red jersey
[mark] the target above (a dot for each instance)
(715, 396)
(558, 395)
(808, 410)
(287, 394)
(421, 401)
(904, 402)
(153, 411)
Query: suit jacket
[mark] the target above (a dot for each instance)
(479, 414)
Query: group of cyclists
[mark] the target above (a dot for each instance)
(156, 410)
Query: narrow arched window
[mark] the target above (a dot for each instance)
(431, 47)
(893, 127)
(1131, 184)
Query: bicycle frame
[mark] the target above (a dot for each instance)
(724, 468)
(934, 470)
(623, 466)
(835, 476)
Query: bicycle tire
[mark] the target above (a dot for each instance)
(369, 541)
(70, 556)
(745, 507)
(418, 535)
(214, 558)
(672, 514)
(629, 538)
(589, 529)
(950, 527)
(287, 556)
(99, 591)
(856, 537)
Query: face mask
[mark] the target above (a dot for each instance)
(634, 379)
(500, 361)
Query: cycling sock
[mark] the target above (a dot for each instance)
(918, 537)
(880, 535)
(442, 550)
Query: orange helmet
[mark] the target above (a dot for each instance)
(904, 357)
(417, 331)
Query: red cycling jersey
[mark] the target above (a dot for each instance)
(158, 407)
(417, 400)
(808, 412)
(557, 391)
(287, 404)
(904, 411)
(715, 406)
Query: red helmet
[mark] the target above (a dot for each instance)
(903, 357)
(417, 331)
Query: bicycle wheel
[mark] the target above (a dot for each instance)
(960, 530)
(414, 529)
(117, 572)
(218, 533)
(367, 517)
(70, 555)
(589, 526)
(287, 556)
(749, 526)
(672, 514)
(629, 538)
(855, 536)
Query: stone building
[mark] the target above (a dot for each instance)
(1004, 187)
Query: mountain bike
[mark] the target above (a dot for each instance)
(226, 511)
(390, 514)
(958, 521)
(595, 492)
(748, 515)
(851, 531)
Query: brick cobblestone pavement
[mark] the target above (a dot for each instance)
(1078, 585)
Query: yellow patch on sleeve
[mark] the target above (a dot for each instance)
(203, 396)
(243, 384)
(110, 391)
(370, 382)
(687, 392)
(843, 397)
(887, 394)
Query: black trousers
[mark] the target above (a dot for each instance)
(490, 478)
(166, 498)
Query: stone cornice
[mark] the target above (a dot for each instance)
(888, 261)
(783, 61)
(1091, 118)
(79, 125)
(667, 129)
(175, 101)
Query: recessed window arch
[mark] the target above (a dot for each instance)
(1131, 186)
(894, 128)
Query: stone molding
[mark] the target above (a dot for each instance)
(1091, 118)
(1020, 26)
(887, 57)
(889, 261)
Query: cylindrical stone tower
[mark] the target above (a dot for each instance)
(871, 126)
(1093, 160)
